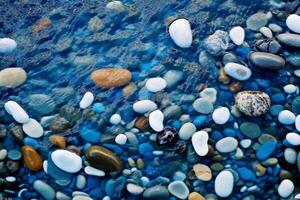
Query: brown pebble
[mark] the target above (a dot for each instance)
(129, 89)
(58, 140)
(41, 24)
(111, 77)
(59, 125)
(235, 87)
(142, 124)
(195, 196)
(260, 170)
(31, 158)
(201, 86)
(202, 172)
(74, 149)
(223, 78)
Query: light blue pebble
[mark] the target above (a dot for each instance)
(179, 176)
(98, 107)
(14, 154)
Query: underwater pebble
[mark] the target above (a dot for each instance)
(266, 32)
(16, 111)
(156, 119)
(203, 106)
(221, 115)
(61, 196)
(167, 136)
(250, 129)
(178, 189)
(181, 33)
(224, 184)
(202, 172)
(33, 128)
(290, 88)
(156, 192)
(156, 84)
(217, 43)
(286, 188)
(66, 160)
(286, 117)
(134, 189)
(293, 23)
(289, 39)
(293, 138)
(93, 171)
(266, 150)
(290, 155)
(172, 77)
(226, 145)
(267, 61)
(257, 20)
(111, 77)
(245, 143)
(297, 123)
(121, 139)
(87, 100)
(44, 189)
(209, 94)
(80, 182)
(199, 142)
(144, 106)
(31, 158)
(187, 130)
(237, 71)
(7, 45)
(237, 35)
(115, 119)
(12, 77)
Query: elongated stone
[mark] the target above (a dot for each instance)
(31, 158)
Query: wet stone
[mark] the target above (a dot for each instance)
(59, 125)
(268, 46)
(251, 130)
(111, 77)
(156, 192)
(31, 158)
(289, 39)
(17, 132)
(41, 104)
(167, 136)
(267, 61)
(58, 140)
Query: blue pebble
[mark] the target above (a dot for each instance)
(114, 187)
(228, 132)
(93, 182)
(266, 150)
(278, 98)
(176, 124)
(145, 148)
(216, 135)
(96, 193)
(31, 142)
(14, 154)
(246, 174)
(98, 107)
(200, 120)
(89, 134)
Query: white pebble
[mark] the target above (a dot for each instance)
(285, 188)
(237, 71)
(221, 115)
(7, 45)
(93, 171)
(237, 35)
(181, 33)
(293, 138)
(290, 155)
(144, 106)
(115, 119)
(134, 189)
(297, 123)
(16, 111)
(66, 160)
(293, 23)
(224, 184)
(121, 139)
(156, 84)
(245, 143)
(87, 100)
(286, 117)
(156, 119)
(226, 145)
(33, 128)
(45, 166)
(199, 142)
(209, 94)
(266, 32)
(290, 88)
(187, 130)
(10, 179)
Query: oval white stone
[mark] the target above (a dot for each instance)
(297, 123)
(224, 184)
(121, 139)
(237, 71)
(156, 84)
(87, 100)
(33, 129)
(144, 106)
(7, 45)
(237, 35)
(210, 94)
(290, 155)
(293, 138)
(16, 111)
(290, 88)
(156, 119)
(245, 143)
(221, 115)
(115, 119)
(199, 142)
(93, 171)
(181, 33)
(134, 189)
(285, 188)
(226, 145)
(67, 160)
(293, 23)
(187, 130)
(286, 117)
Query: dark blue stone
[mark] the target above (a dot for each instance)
(266, 150)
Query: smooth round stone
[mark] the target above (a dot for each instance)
(237, 35)
(297, 123)
(93, 171)
(144, 106)
(134, 189)
(31, 158)
(187, 130)
(289, 39)
(202, 172)
(111, 77)
(293, 138)
(266, 32)
(115, 119)
(290, 88)
(7, 45)
(33, 129)
(61, 196)
(80, 182)
(221, 115)
(181, 33)
(16, 111)
(156, 192)
(121, 139)
(290, 155)
(286, 188)
(237, 71)
(275, 28)
(199, 142)
(209, 94)
(156, 84)
(250, 129)
(245, 143)
(293, 23)
(173, 77)
(267, 61)
(203, 106)
(66, 160)
(87, 100)
(41, 104)
(156, 119)
(286, 117)
(14, 154)
(44, 189)
(294, 59)
(258, 20)
(224, 183)
(3, 154)
(58, 140)
(179, 189)
(12, 77)
(226, 145)
(266, 150)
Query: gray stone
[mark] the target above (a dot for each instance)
(173, 77)
(156, 192)
(267, 61)
(217, 43)
(257, 20)
(251, 130)
(289, 39)
(80, 182)
(294, 59)
(268, 45)
(41, 104)
(44, 189)
(172, 112)
(203, 106)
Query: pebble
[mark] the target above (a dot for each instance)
(296, 105)
(286, 117)
(290, 88)
(202, 172)
(221, 115)
(224, 183)
(66, 160)
(172, 77)
(297, 123)
(268, 45)
(275, 28)
(250, 129)
(93, 171)
(178, 189)
(217, 43)
(87, 100)
(33, 129)
(58, 140)
(156, 119)
(293, 138)
(290, 155)
(14, 154)
(237, 35)
(115, 119)
(144, 106)
(111, 77)
(266, 32)
(286, 188)
(195, 196)
(257, 20)
(31, 158)
(3, 154)
(181, 33)
(203, 106)
(7, 45)
(134, 189)
(156, 84)
(80, 182)
(16, 111)
(156, 192)
(41, 104)
(187, 130)
(199, 142)
(167, 136)
(266, 150)
(121, 139)
(103, 159)
(61, 196)
(267, 61)
(227, 145)
(12, 77)
(245, 143)
(210, 94)
(289, 39)
(44, 189)
(237, 71)
(253, 103)
(293, 23)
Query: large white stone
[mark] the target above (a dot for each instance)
(290, 88)
(293, 138)
(121, 139)
(290, 155)
(156, 120)
(286, 117)
(293, 23)
(224, 183)
(226, 145)
(199, 142)
(7, 45)
(237, 71)
(237, 35)
(286, 188)
(67, 160)
(33, 128)
(187, 130)
(12, 77)
(181, 33)
(87, 100)
(221, 115)
(115, 119)
(93, 171)
(16, 111)
(156, 84)
(144, 106)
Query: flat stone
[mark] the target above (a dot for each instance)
(257, 20)
(181, 33)
(202, 172)
(12, 77)
(178, 189)
(267, 61)
(111, 77)
(187, 130)
(226, 145)
(203, 106)
(66, 160)
(266, 150)
(134, 189)
(289, 39)
(224, 183)
(33, 128)
(250, 129)
(44, 189)
(238, 71)
(156, 192)
(41, 104)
